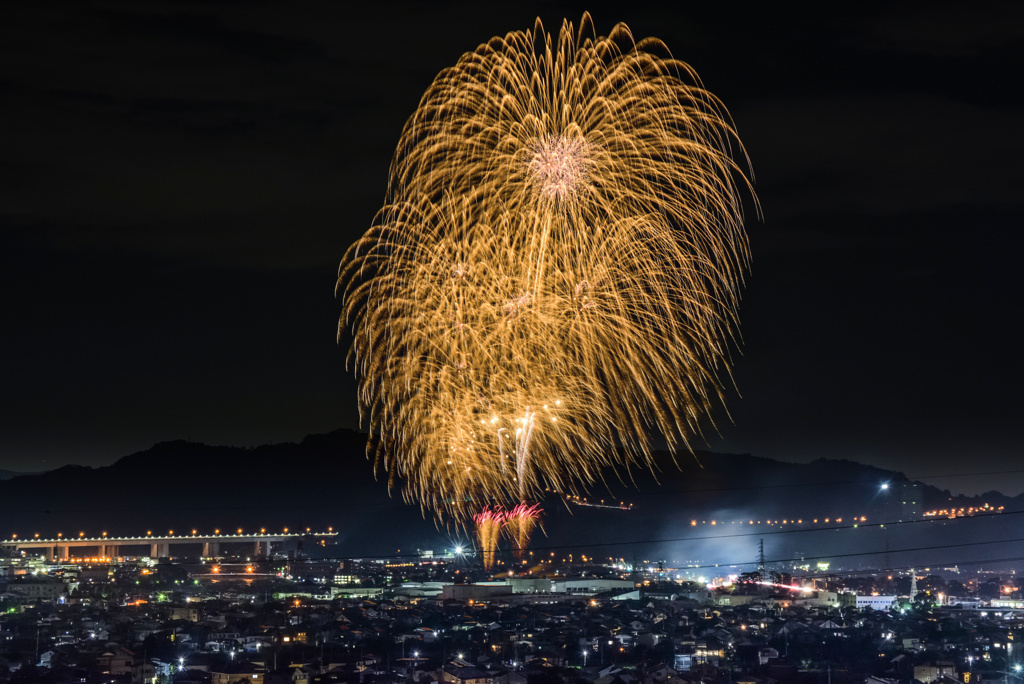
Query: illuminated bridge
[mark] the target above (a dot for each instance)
(107, 547)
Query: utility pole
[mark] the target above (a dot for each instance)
(762, 567)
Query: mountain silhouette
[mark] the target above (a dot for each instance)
(701, 508)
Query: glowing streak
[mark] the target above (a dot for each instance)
(784, 586)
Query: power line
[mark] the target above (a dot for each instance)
(724, 564)
(859, 525)
(958, 563)
(826, 483)
(861, 553)
(718, 537)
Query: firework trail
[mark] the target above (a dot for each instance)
(520, 522)
(555, 274)
(489, 522)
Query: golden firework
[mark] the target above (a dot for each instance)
(520, 522)
(556, 271)
(488, 530)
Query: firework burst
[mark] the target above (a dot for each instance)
(555, 274)
(488, 523)
(520, 522)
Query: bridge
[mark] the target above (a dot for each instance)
(108, 547)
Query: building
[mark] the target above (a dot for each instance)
(821, 599)
(876, 602)
(46, 588)
(460, 673)
(904, 501)
(235, 673)
(122, 661)
(930, 672)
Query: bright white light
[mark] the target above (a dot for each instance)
(885, 485)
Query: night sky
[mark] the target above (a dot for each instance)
(179, 182)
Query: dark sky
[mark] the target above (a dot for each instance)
(179, 182)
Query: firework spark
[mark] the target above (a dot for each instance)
(520, 522)
(556, 271)
(489, 522)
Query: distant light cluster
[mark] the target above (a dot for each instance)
(984, 509)
(784, 521)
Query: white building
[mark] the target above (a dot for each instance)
(875, 602)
